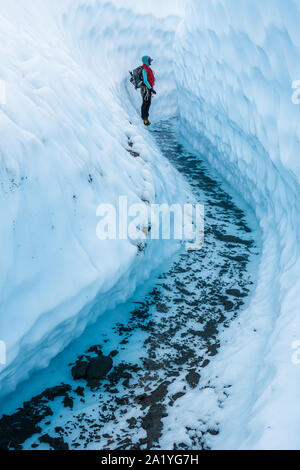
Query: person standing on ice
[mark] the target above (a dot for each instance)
(147, 89)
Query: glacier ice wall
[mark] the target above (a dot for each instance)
(65, 130)
(235, 63)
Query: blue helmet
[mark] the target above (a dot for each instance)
(147, 60)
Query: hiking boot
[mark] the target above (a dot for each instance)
(147, 122)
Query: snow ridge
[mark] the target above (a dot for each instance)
(235, 65)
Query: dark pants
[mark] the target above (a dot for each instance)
(146, 95)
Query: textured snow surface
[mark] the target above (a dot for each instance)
(64, 150)
(67, 117)
(235, 65)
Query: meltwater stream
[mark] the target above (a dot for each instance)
(142, 361)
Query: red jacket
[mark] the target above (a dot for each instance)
(150, 75)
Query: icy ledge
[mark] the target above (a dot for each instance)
(235, 65)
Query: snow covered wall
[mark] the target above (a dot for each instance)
(235, 65)
(64, 150)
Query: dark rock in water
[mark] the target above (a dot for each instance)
(54, 392)
(79, 391)
(213, 432)
(95, 349)
(132, 423)
(235, 293)
(162, 308)
(205, 363)
(114, 353)
(152, 423)
(157, 395)
(175, 397)
(193, 378)
(68, 402)
(17, 428)
(228, 305)
(92, 369)
(232, 239)
(59, 430)
(57, 443)
(79, 370)
(99, 367)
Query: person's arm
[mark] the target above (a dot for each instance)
(145, 78)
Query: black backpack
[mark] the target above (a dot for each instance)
(137, 77)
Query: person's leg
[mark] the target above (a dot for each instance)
(144, 109)
(144, 105)
(148, 105)
(146, 94)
